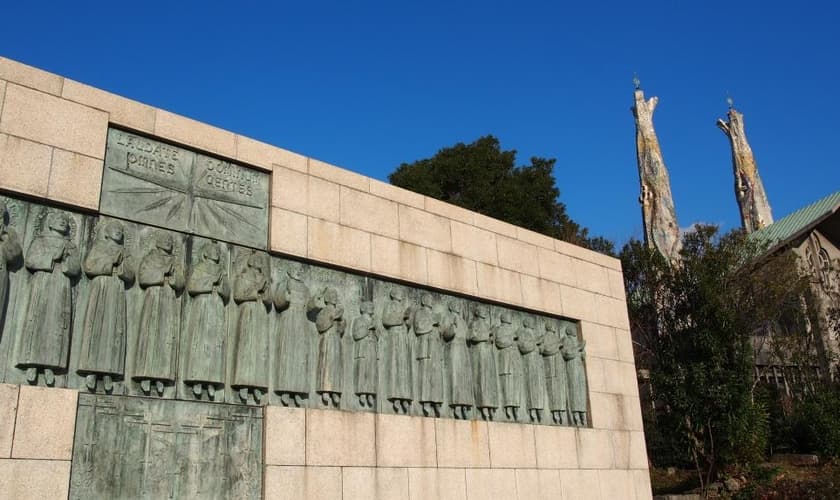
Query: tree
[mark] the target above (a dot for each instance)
(697, 326)
(482, 177)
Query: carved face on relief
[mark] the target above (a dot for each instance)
(397, 294)
(571, 331)
(211, 253)
(366, 307)
(455, 306)
(295, 272)
(331, 296)
(255, 262)
(481, 312)
(528, 322)
(426, 300)
(164, 242)
(549, 327)
(505, 317)
(59, 223)
(114, 232)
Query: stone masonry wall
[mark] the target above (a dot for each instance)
(52, 145)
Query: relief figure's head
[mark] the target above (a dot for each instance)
(255, 261)
(426, 300)
(59, 223)
(528, 322)
(295, 271)
(331, 296)
(482, 312)
(455, 306)
(114, 231)
(397, 294)
(164, 242)
(211, 252)
(366, 307)
(506, 317)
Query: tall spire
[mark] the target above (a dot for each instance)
(749, 191)
(660, 219)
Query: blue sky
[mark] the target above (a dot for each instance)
(367, 85)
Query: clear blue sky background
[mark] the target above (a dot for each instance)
(367, 86)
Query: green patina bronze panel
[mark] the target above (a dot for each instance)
(114, 307)
(142, 448)
(169, 186)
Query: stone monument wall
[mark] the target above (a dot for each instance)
(195, 225)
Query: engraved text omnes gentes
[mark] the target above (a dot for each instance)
(169, 186)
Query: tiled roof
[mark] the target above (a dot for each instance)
(791, 226)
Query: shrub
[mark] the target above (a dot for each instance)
(814, 423)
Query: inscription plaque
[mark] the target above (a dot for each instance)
(141, 448)
(169, 186)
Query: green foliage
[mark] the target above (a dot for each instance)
(696, 325)
(814, 423)
(480, 176)
(751, 430)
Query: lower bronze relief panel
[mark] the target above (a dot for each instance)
(141, 448)
(112, 307)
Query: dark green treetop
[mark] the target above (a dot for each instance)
(482, 177)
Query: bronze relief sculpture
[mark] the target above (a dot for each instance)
(104, 330)
(426, 326)
(483, 358)
(252, 294)
(10, 255)
(365, 355)
(331, 325)
(396, 318)
(209, 293)
(53, 261)
(291, 375)
(204, 314)
(161, 277)
(457, 360)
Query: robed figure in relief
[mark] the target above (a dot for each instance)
(10, 254)
(483, 356)
(111, 271)
(209, 292)
(331, 325)
(161, 277)
(457, 361)
(529, 347)
(426, 328)
(573, 353)
(555, 374)
(396, 318)
(508, 364)
(53, 261)
(292, 372)
(252, 293)
(365, 337)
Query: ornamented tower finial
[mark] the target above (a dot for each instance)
(660, 220)
(749, 191)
